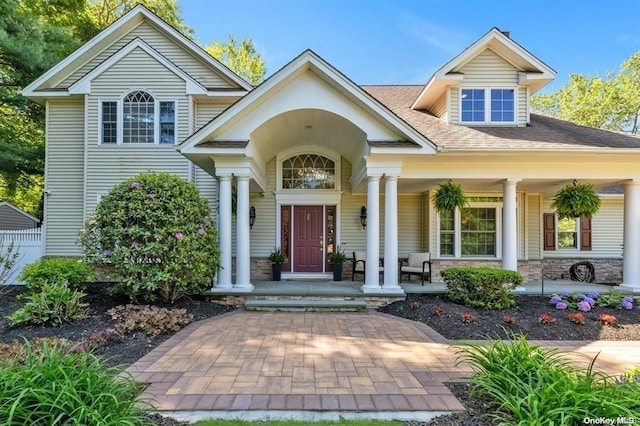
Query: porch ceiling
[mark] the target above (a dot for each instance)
(309, 127)
(546, 187)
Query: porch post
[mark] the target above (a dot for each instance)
(243, 244)
(509, 226)
(631, 239)
(224, 230)
(391, 235)
(372, 278)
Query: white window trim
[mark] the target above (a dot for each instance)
(309, 149)
(577, 247)
(457, 233)
(487, 105)
(120, 120)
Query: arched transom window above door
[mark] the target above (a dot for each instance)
(308, 171)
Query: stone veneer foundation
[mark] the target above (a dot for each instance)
(607, 270)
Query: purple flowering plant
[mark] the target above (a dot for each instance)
(584, 306)
(561, 306)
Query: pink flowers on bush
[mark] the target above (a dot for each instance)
(134, 184)
(201, 231)
(179, 236)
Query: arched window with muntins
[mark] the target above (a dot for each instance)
(138, 118)
(308, 171)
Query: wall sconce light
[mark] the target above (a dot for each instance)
(363, 217)
(252, 216)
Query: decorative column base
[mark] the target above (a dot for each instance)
(634, 288)
(371, 289)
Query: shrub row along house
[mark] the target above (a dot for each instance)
(308, 152)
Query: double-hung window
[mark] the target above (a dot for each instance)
(484, 106)
(473, 231)
(138, 118)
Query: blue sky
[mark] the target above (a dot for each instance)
(405, 41)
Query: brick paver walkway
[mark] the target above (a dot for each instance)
(318, 362)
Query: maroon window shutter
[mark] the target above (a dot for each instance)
(549, 226)
(585, 233)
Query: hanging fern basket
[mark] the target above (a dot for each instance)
(576, 200)
(448, 196)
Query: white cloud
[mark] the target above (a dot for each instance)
(448, 40)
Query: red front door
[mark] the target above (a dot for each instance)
(308, 239)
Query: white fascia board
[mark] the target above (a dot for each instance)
(435, 87)
(83, 86)
(226, 93)
(305, 60)
(135, 13)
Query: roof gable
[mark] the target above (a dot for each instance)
(8, 206)
(532, 72)
(46, 85)
(83, 86)
(290, 74)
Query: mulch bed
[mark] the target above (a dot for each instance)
(490, 324)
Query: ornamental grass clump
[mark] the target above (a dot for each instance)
(53, 387)
(530, 385)
(156, 234)
(481, 287)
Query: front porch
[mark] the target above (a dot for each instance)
(301, 294)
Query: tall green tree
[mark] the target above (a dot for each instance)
(104, 12)
(611, 102)
(241, 57)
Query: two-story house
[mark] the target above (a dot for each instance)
(310, 152)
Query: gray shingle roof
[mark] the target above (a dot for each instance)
(543, 132)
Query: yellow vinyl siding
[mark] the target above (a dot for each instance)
(523, 106)
(489, 69)
(606, 232)
(534, 231)
(207, 111)
(440, 107)
(110, 164)
(64, 179)
(193, 66)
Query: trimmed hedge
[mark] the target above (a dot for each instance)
(481, 287)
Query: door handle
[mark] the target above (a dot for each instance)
(321, 244)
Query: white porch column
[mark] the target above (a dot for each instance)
(224, 232)
(372, 278)
(391, 235)
(631, 239)
(509, 226)
(243, 244)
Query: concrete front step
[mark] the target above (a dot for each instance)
(312, 305)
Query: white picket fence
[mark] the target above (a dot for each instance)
(28, 243)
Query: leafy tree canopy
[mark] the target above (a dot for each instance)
(611, 102)
(241, 57)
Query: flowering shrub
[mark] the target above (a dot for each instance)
(546, 319)
(606, 319)
(481, 287)
(576, 318)
(555, 299)
(561, 306)
(437, 311)
(155, 231)
(627, 303)
(584, 306)
(468, 317)
(508, 319)
(414, 305)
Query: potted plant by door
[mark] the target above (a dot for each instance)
(277, 258)
(336, 259)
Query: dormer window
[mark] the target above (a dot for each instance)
(487, 106)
